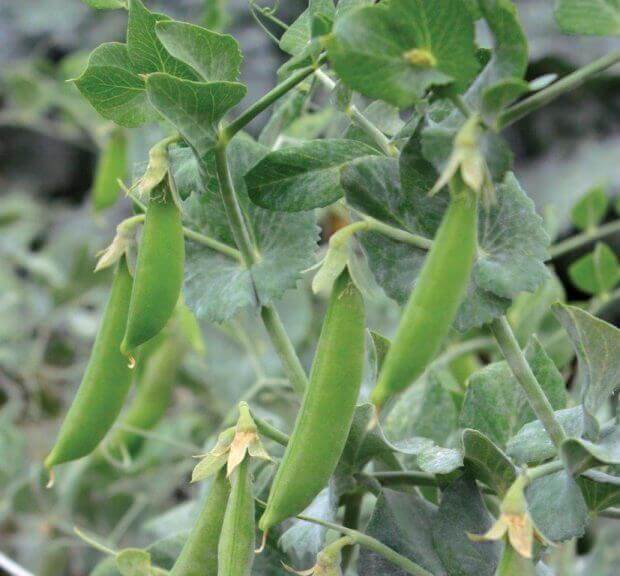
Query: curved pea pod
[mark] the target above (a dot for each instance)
(153, 395)
(111, 166)
(435, 299)
(235, 554)
(324, 420)
(105, 384)
(159, 270)
(199, 554)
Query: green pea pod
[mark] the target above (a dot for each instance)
(324, 420)
(111, 166)
(105, 384)
(435, 300)
(153, 394)
(199, 554)
(159, 271)
(235, 554)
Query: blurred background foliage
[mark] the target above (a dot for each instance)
(50, 299)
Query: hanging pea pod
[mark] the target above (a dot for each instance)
(105, 383)
(159, 270)
(199, 554)
(324, 420)
(111, 166)
(435, 299)
(154, 391)
(236, 547)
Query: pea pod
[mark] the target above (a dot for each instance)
(105, 384)
(325, 417)
(235, 554)
(199, 554)
(153, 394)
(111, 166)
(159, 270)
(435, 300)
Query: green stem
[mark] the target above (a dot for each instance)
(399, 234)
(579, 240)
(460, 105)
(273, 323)
(351, 519)
(268, 99)
(378, 137)
(566, 84)
(467, 347)
(544, 470)
(611, 513)
(269, 431)
(372, 544)
(521, 369)
(284, 347)
(410, 478)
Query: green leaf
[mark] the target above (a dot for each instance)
(580, 454)
(396, 51)
(486, 462)
(113, 88)
(557, 507)
(217, 286)
(498, 96)
(298, 35)
(597, 17)
(597, 344)
(495, 403)
(302, 177)
(106, 4)
(146, 52)
(216, 57)
(600, 490)
(596, 273)
(532, 444)
(439, 460)
(134, 562)
(194, 108)
(590, 209)
(433, 537)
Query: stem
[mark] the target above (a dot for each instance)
(372, 544)
(269, 314)
(268, 430)
(268, 99)
(598, 304)
(544, 470)
(611, 513)
(12, 568)
(284, 347)
(378, 137)
(521, 369)
(468, 346)
(399, 234)
(351, 519)
(566, 84)
(191, 234)
(579, 240)
(460, 105)
(411, 478)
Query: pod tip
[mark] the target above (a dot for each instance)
(131, 362)
(51, 479)
(263, 543)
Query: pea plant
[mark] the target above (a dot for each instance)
(480, 436)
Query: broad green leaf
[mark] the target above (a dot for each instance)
(596, 273)
(590, 209)
(302, 177)
(113, 88)
(106, 4)
(580, 454)
(216, 57)
(439, 460)
(298, 35)
(486, 462)
(495, 403)
(194, 108)
(598, 17)
(557, 507)
(532, 444)
(600, 490)
(217, 286)
(597, 344)
(134, 562)
(501, 94)
(146, 52)
(396, 51)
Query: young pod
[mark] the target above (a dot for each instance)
(435, 299)
(199, 554)
(105, 384)
(235, 554)
(324, 420)
(111, 166)
(159, 270)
